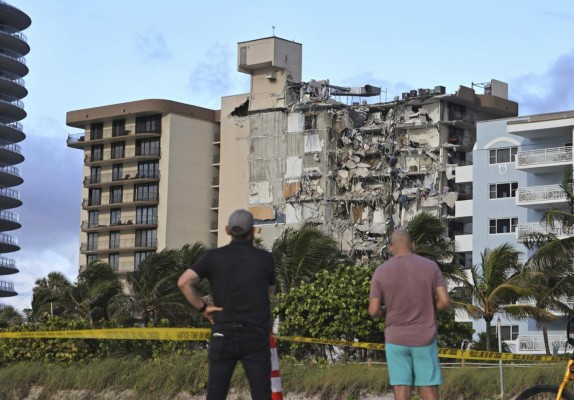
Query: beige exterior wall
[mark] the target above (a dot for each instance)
(234, 167)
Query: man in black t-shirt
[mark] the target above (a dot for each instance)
(241, 277)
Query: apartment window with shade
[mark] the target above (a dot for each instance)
(146, 215)
(502, 225)
(95, 174)
(119, 127)
(148, 169)
(148, 124)
(503, 190)
(115, 216)
(95, 197)
(118, 150)
(146, 192)
(97, 152)
(93, 218)
(139, 256)
(146, 237)
(117, 172)
(90, 258)
(114, 261)
(147, 147)
(507, 332)
(456, 112)
(116, 194)
(501, 156)
(114, 240)
(92, 241)
(97, 131)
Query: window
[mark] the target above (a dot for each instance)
(97, 152)
(92, 241)
(502, 225)
(146, 192)
(149, 124)
(118, 150)
(507, 332)
(456, 112)
(147, 147)
(146, 237)
(115, 216)
(97, 131)
(146, 215)
(93, 218)
(114, 240)
(95, 197)
(116, 194)
(139, 256)
(499, 156)
(503, 190)
(148, 169)
(117, 172)
(95, 174)
(90, 258)
(114, 261)
(455, 135)
(310, 121)
(119, 127)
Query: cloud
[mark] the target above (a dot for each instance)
(216, 76)
(152, 46)
(559, 15)
(548, 91)
(50, 215)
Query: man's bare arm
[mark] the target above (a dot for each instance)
(186, 284)
(442, 298)
(375, 308)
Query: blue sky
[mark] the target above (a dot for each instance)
(87, 54)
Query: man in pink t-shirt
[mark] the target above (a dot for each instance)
(411, 288)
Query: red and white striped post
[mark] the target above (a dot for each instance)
(276, 389)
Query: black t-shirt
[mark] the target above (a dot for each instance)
(239, 275)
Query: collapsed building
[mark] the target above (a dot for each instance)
(331, 156)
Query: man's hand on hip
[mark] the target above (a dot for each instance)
(209, 311)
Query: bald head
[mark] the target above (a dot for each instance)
(401, 242)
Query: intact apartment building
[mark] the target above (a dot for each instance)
(150, 179)
(13, 47)
(518, 167)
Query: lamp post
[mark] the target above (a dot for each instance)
(499, 334)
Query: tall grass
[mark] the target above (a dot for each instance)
(165, 377)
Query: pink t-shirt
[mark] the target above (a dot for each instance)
(406, 286)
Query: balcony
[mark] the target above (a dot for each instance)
(217, 138)
(14, 39)
(7, 289)
(540, 196)
(569, 301)
(106, 179)
(215, 182)
(10, 176)
(534, 344)
(463, 174)
(214, 204)
(463, 209)
(463, 243)
(126, 223)
(133, 154)
(7, 266)
(9, 198)
(14, 62)
(10, 154)
(79, 140)
(561, 232)
(213, 226)
(12, 107)
(544, 160)
(11, 131)
(9, 221)
(13, 85)
(119, 246)
(215, 160)
(8, 244)
(106, 201)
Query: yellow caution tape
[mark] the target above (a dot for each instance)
(201, 334)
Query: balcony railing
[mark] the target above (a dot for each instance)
(12, 100)
(535, 344)
(215, 181)
(128, 153)
(13, 194)
(6, 286)
(535, 194)
(13, 78)
(126, 221)
(128, 198)
(213, 225)
(11, 171)
(560, 231)
(216, 159)
(121, 244)
(123, 266)
(7, 263)
(14, 148)
(214, 203)
(9, 216)
(7, 239)
(15, 33)
(112, 177)
(14, 125)
(548, 156)
(216, 137)
(13, 55)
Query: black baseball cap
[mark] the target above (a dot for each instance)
(240, 222)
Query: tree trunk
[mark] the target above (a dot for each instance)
(545, 335)
(487, 336)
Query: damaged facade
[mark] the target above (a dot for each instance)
(357, 170)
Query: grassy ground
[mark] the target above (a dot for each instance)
(164, 378)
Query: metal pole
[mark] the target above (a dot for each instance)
(499, 331)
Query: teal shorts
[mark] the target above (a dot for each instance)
(413, 366)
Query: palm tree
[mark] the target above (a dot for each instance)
(494, 287)
(51, 296)
(429, 234)
(9, 316)
(153, 287)
(300, 254)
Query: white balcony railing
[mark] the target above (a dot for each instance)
(537, 194)
(560, 231)
(534, 344)
(550, 156)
